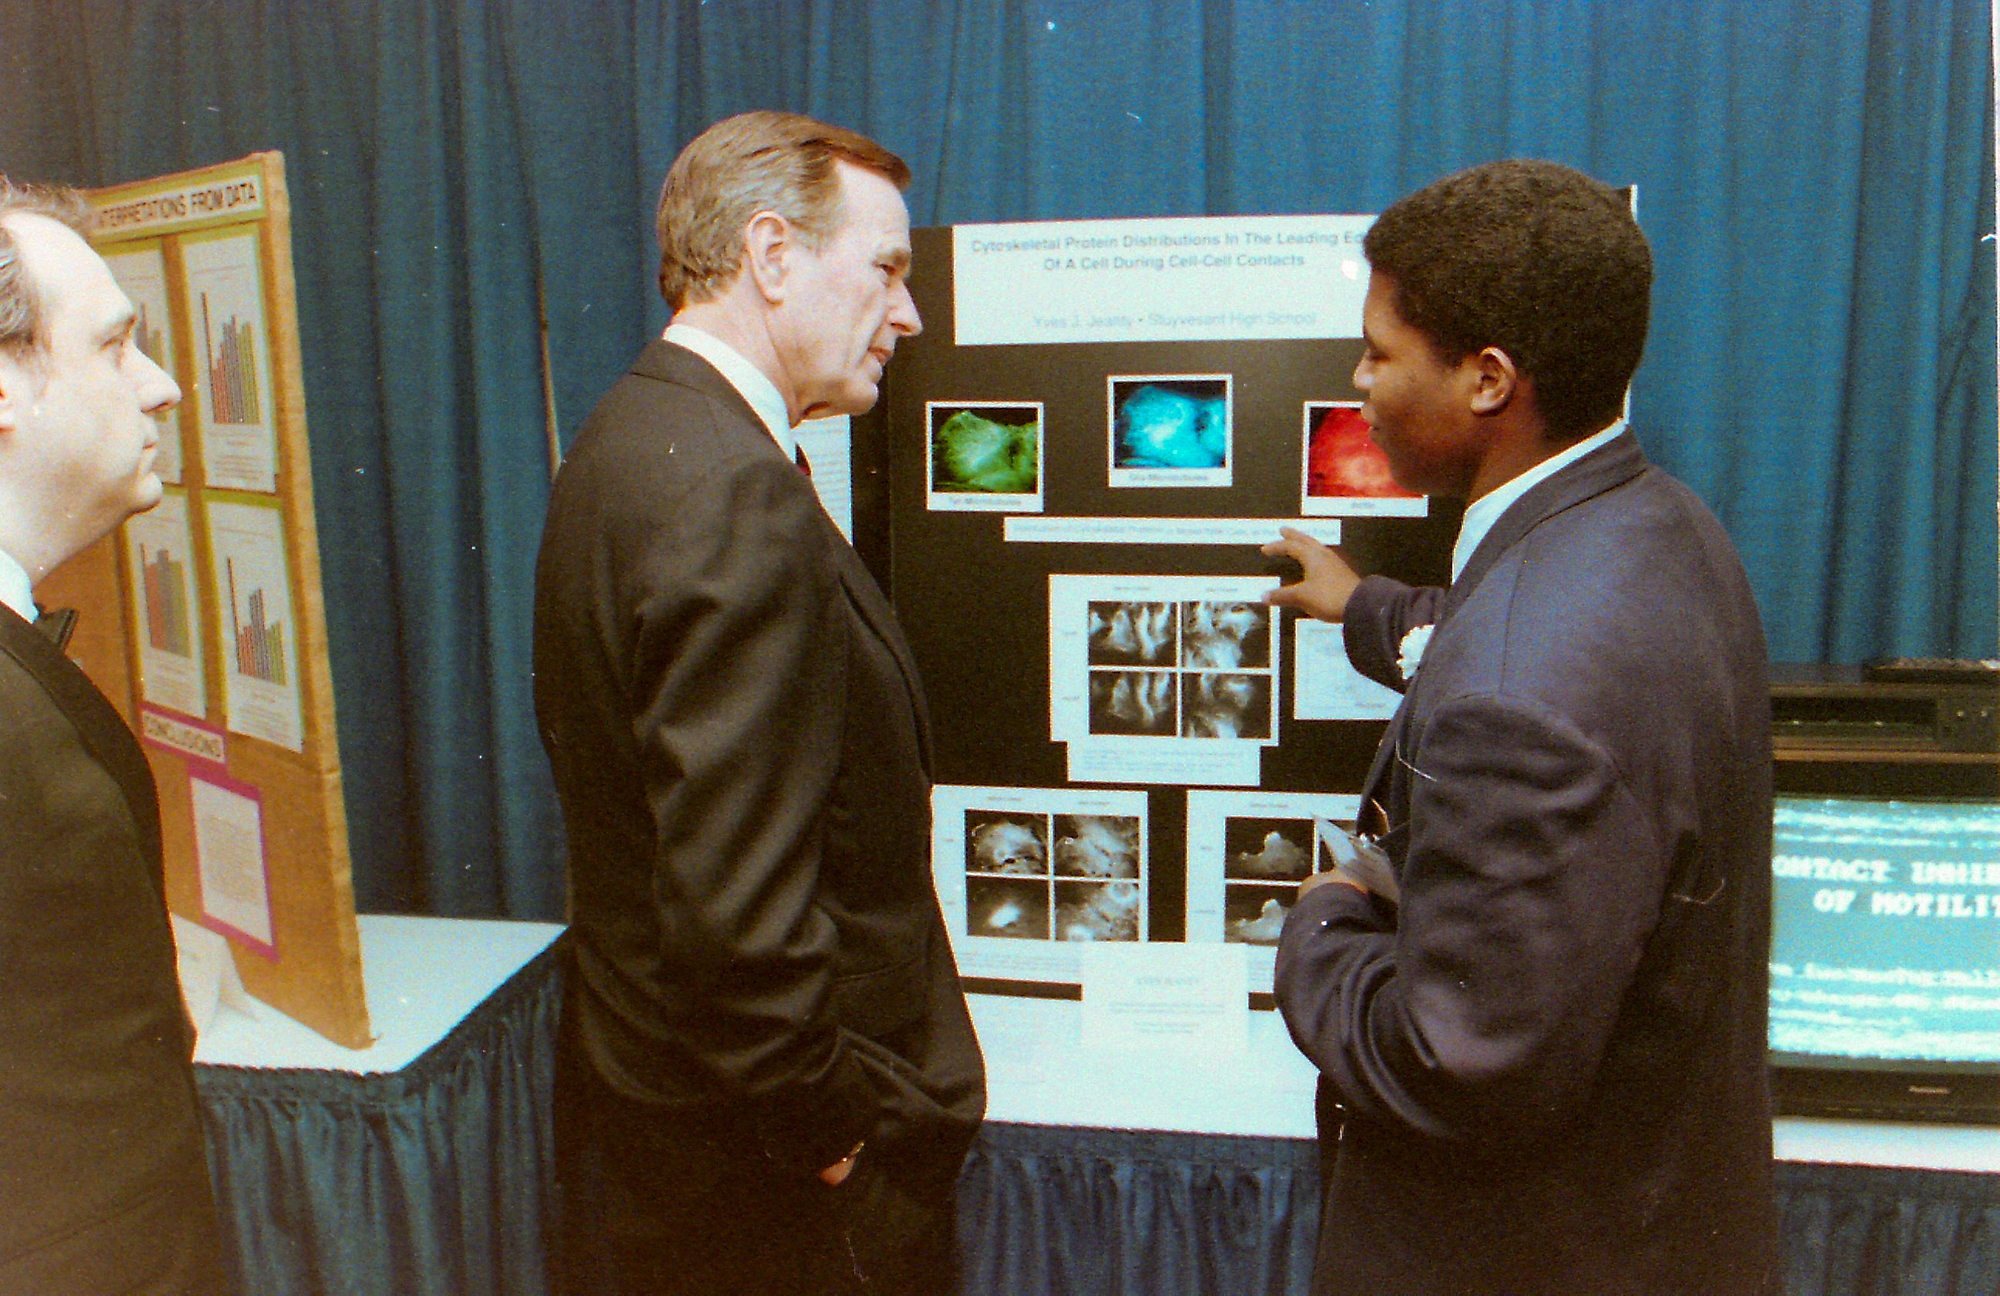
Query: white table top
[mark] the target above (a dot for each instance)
(421, 976)
(1041, 1072)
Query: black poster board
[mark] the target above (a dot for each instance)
(975, 606)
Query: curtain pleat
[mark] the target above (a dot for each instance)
(1119, 1213)
(1085, 1212)
(1876, 1231)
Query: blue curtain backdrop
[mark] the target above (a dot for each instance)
(1816, 177)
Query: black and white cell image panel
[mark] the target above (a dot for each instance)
(1007, 842)
(1007, 907)
(1267, 850)
(1225, 635)
(1131, 634)
(1171, 422)
(1097, 846)
(1253, 914)
(1097, 911)
(1223, 704)
(1138, 702)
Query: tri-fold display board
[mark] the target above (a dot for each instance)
(1100, 424)
(202, 618)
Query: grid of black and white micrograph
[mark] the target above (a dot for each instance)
(1198, 668)
(1060, 877)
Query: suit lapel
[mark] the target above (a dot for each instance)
(665, 362)
(1611, 466)
(96, 721)
(873, 607)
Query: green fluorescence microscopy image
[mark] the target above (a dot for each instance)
(974, 454)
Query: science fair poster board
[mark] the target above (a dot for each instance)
(1099, 425)
(202, 618)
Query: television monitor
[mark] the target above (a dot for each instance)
(1885, 956)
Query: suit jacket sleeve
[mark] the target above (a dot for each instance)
(1527, 897)
(739, 692)
(1379, 613)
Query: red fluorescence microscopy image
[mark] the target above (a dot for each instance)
(1342, 462)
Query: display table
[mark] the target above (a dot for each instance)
(420, 1166)
(1119, 1174)
(416, 1167)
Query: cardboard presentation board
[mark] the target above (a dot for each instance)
(1098, 426)
(202, 618)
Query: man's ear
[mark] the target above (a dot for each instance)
(1496, 381)
(767, 244)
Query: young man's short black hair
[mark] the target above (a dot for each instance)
(1534, 258)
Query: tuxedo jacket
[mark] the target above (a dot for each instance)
(103, 1175)
(740, 746)
(1545, 1071)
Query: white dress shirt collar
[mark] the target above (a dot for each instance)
(745, 377)
(16, 591)
(15, 587)
(1482, 513)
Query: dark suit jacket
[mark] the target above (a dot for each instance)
(103, 1177)
(1551, 1058)
(740, 746)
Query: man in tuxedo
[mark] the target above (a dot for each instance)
(767, 1077)
(1535, 988)
(103, 1177)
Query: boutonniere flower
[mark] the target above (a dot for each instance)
(1410, 654)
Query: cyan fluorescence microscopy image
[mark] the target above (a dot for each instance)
(1170, 423)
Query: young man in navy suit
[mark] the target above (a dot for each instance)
(103, 1177)
(1536, 989)
(767, 1079)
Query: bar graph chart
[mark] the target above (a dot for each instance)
(259, 641)
(232, 366)
(165, 609)
(231, 343)
(168, 623)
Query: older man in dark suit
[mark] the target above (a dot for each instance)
(767, 1077)
(103, 1177)
(1535, 991)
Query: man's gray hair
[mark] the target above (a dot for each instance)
(756, 161)
(23, 313)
